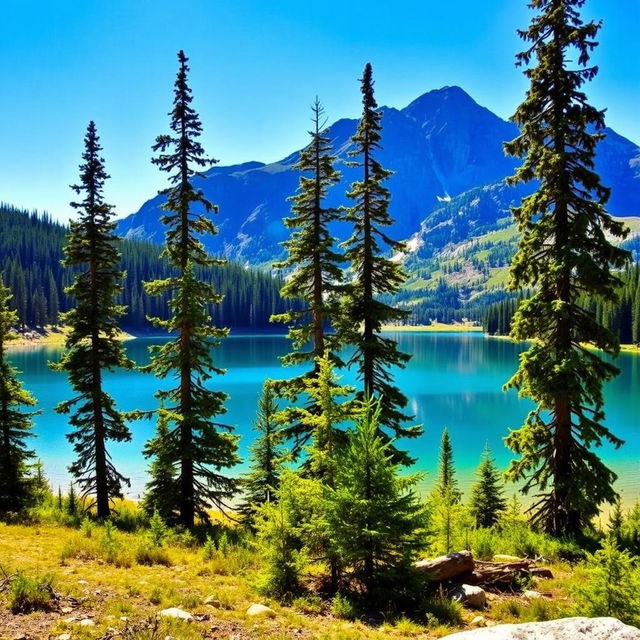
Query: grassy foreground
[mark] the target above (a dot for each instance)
(110, 585)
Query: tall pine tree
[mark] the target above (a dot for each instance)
(16, 484)
(315, 264)
(202, 447)
(372, 273)
(92, 345)
(564, 250)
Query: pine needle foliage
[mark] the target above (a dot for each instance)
(324, 420)
(316, 274)
(201, 447)
(261, 483)
(376, 520)
(565, 251)
(373, 274)
(446, 498)
(92, 345)
(162, 491)
(16, 484)
(487, 502)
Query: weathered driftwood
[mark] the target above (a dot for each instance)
(541, 572)
(446, 567)
(460, 567)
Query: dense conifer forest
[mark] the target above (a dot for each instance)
(31, 251)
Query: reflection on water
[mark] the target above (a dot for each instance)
(453, 380)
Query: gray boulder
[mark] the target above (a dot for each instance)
(562, 629)
(470, 596)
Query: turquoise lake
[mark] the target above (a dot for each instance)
(454, 380)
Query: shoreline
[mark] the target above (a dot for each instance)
(51, 337)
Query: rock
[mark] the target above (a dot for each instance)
(260, 610)
(479, 621)
(529, 594)
(471, 596)
(174, 612)
(445, 567)
(64, 636)
(562, 629)
(66, 610)
(212, 601)
(87, 622)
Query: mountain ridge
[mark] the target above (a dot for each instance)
(446, 152)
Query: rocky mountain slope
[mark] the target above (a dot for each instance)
(448, 185)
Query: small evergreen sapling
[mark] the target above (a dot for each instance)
(262, 481)
(162, 492)
(487, 494)
(613, 584)
(445, 499)
(376, 520)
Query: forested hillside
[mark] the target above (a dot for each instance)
(30, 254)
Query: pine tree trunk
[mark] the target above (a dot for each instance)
(367, 269)
(318, 320)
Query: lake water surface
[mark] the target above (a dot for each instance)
(453, 380)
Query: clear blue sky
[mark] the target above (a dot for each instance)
(256, 66)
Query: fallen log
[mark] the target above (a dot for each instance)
(446, 567)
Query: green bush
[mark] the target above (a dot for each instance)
(209, 548)
(613, 585)
(343, 607)
(30, 594)
(149, 554)
(440, 610)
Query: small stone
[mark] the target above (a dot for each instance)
(87, 622)
(124, 618)
(529, 594)
(479, 621)
(66, 609)
(64, 636)
(260, 610)
(174, 612)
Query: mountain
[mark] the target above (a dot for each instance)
(448, 185)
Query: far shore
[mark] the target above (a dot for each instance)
(55, 336)
(48, 337)
(434, 327)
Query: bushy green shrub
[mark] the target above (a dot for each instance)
(149, 554)
(343, 607)
(613, 584)
(29, 594)
(441, 610)
(278, 542)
